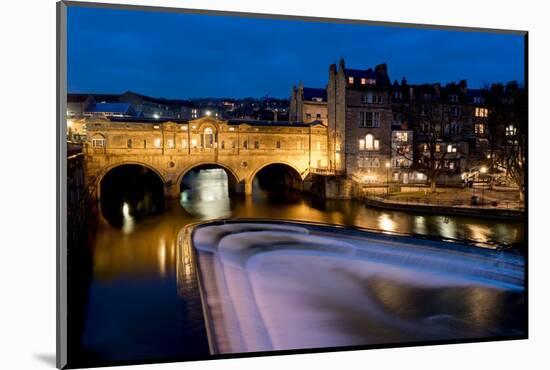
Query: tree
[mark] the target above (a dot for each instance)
(434, 123)
(510, 112)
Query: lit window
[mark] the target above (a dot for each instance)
(363, 81)
(481, 112)
(184, 143)
(479, 128)
(170, 143)
(98, 141)
(231, 128)
(350, 80)
(510, 130)
(193, 143)
(451, 148)
(157, 143)
(438, 148)
(361, 144)
(369, 142)
(401, 136)
(376, 144)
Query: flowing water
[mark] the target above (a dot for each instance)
(127, 301)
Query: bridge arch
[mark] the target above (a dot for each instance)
(130, 190)
(234, 181)
(279, 173)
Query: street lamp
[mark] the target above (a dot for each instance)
(387, 178)
(483, 170)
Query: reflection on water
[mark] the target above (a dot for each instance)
(206, 194)
(134, 311)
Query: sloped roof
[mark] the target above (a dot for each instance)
(310, 93)
(109, 108)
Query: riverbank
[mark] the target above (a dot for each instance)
(501, 204)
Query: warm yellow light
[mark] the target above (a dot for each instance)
(208, 113)
(387, 164)
(483, 169)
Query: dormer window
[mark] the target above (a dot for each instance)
(350, 80)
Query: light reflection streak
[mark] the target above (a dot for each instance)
(127, 219)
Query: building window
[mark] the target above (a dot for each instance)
(479, 128)
(245, 144)
(397, 96)
(157, 143)
(222, 144)
(256, 145)
(350, 80)
(478, 100)
(369, 119)
(318, 115)
(361, 144)
(425, 147)
(129, 143)
(456, 111)
(318, 145)
(451, 148)
(308, 115)
(98, 141)
(426, 97)
(278, 144)
(231, 128)
(184, 143)
(481, 112)
(363, 81)
(170, 143)
(401, 136)
(370, 143)
(193, 143)
(144, 144)
(510, 130)
(437, 148)
(453, 98)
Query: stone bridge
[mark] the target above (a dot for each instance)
(173, 148)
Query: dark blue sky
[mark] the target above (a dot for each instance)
(186, 56)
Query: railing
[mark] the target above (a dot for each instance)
(475, 202)
(325, 171)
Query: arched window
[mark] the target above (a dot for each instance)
(208, 138)
(369, 142)
(98, 141)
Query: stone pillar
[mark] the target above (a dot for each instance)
(244, 187)
(171, 190)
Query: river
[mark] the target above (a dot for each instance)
(128, 300)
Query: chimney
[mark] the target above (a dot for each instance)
(382, 69)
(341, 65)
